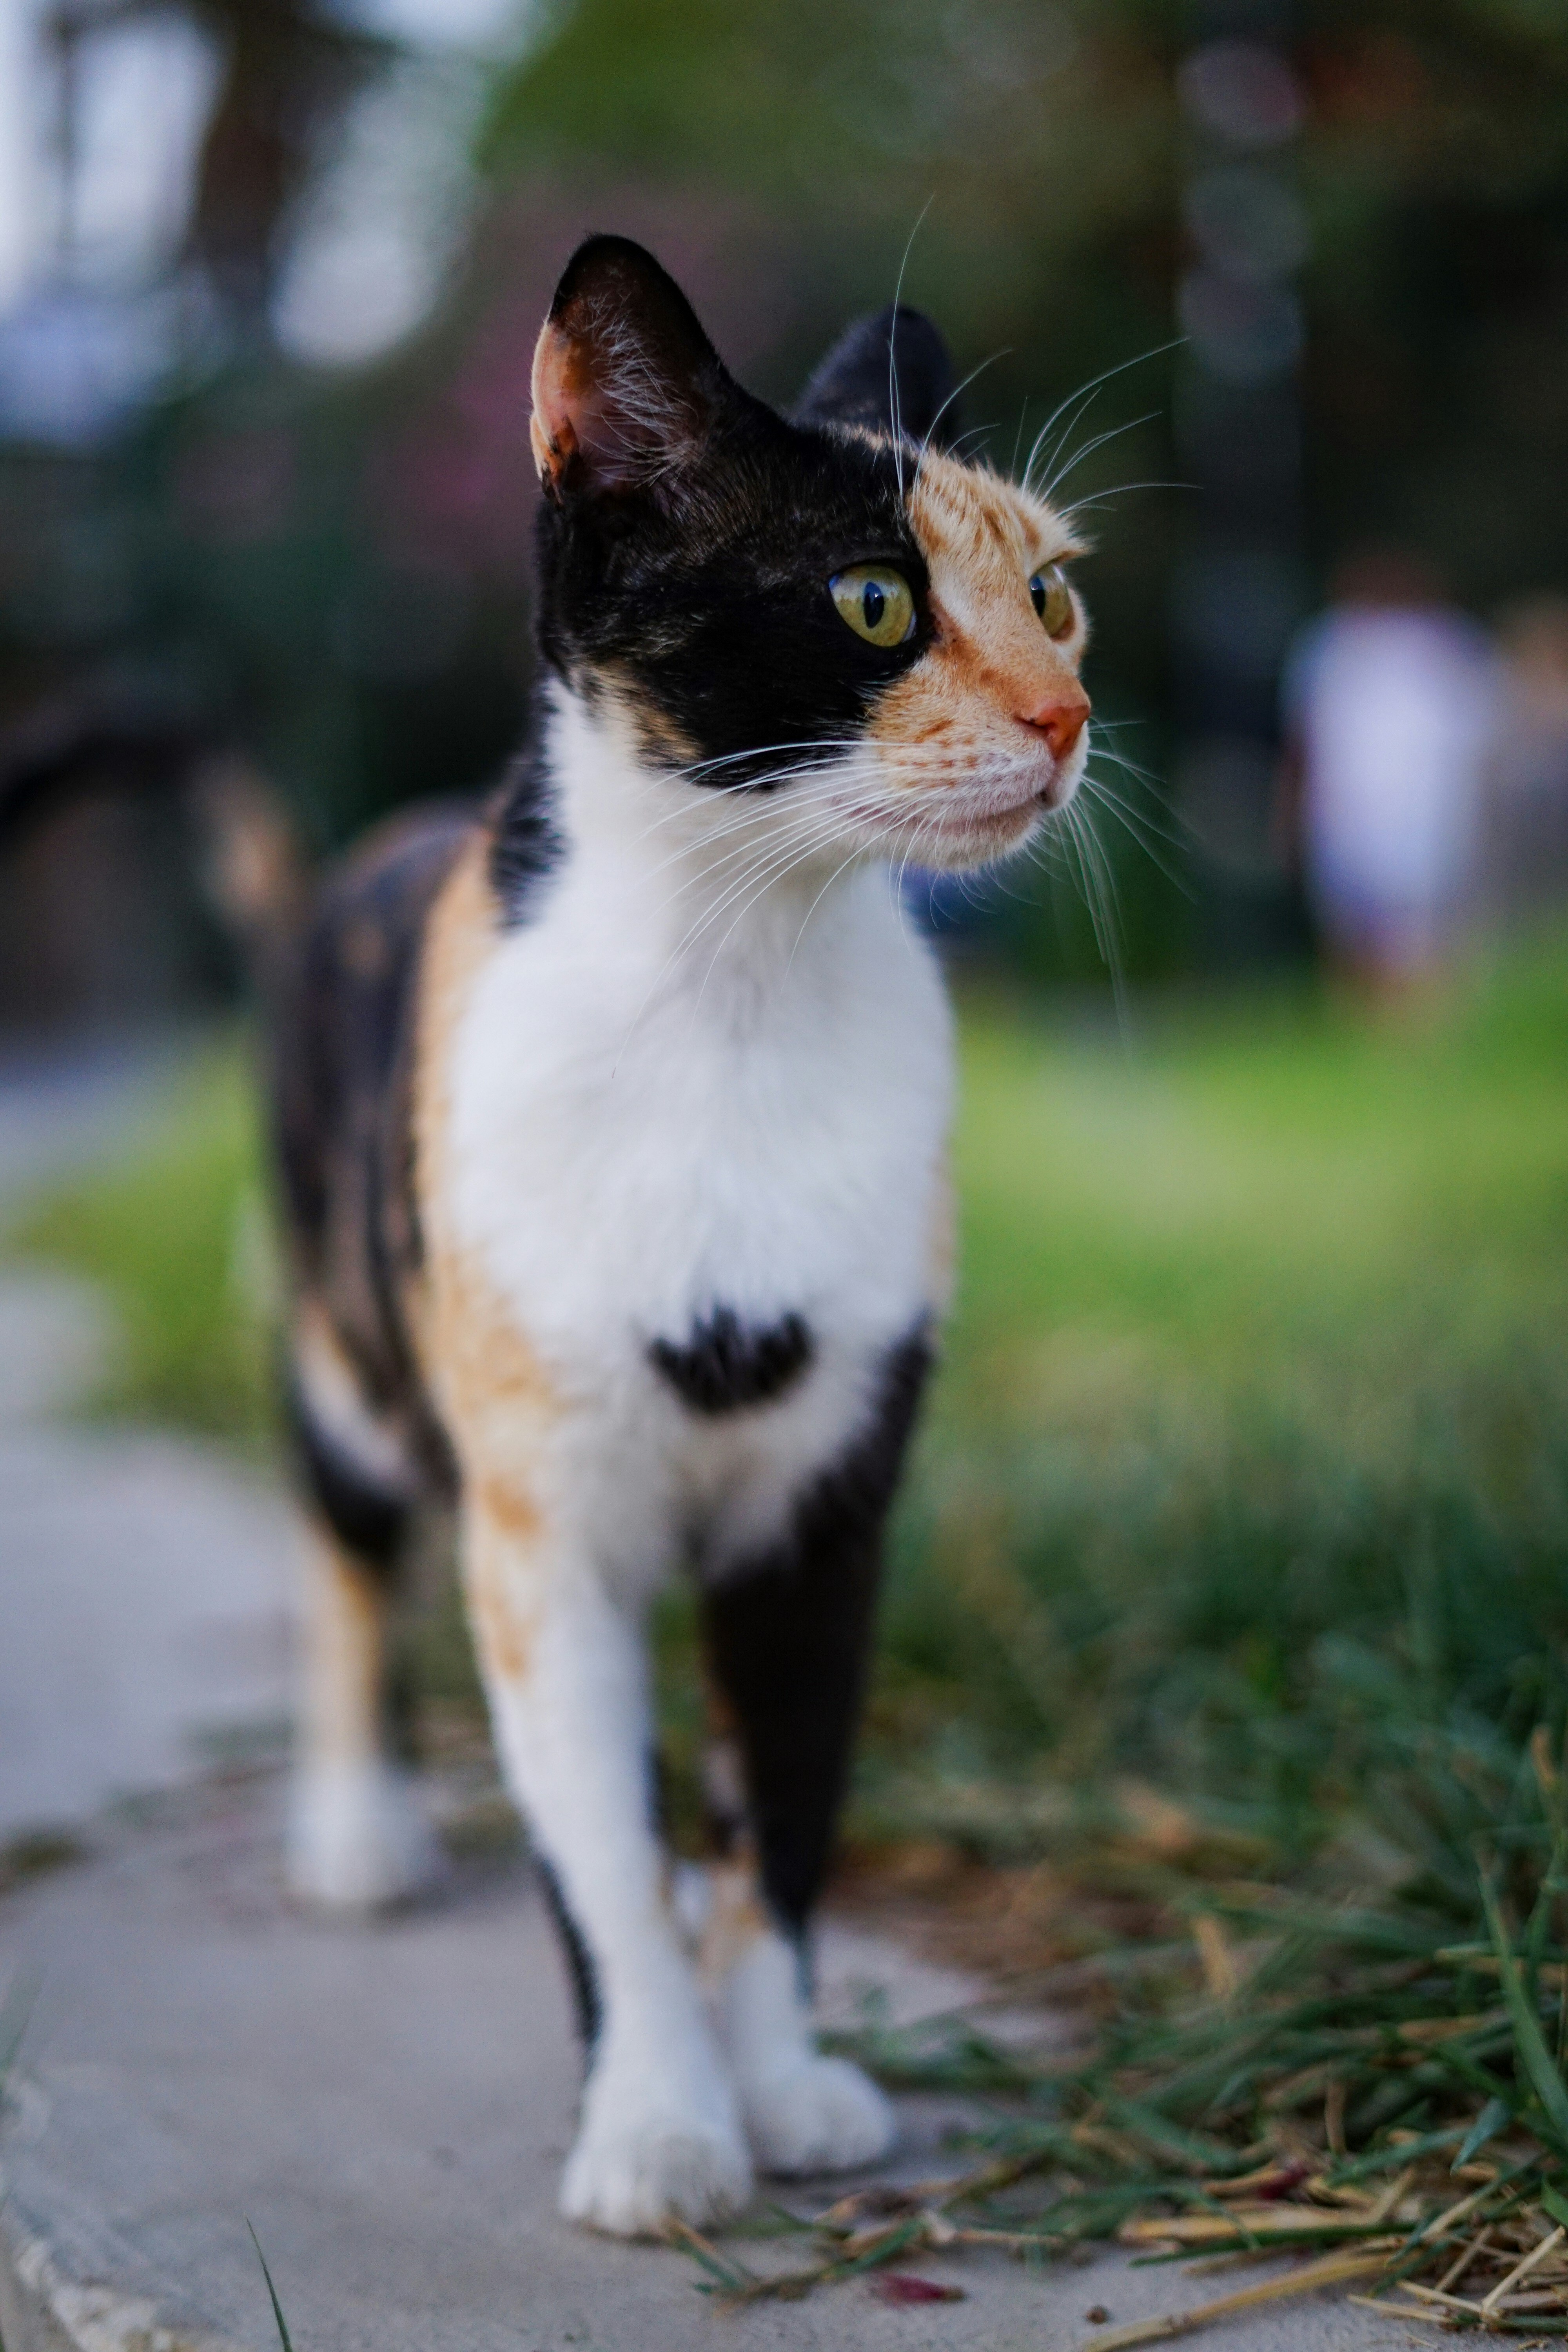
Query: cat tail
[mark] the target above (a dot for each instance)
(251, 860)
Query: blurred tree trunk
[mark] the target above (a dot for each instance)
(287, 75)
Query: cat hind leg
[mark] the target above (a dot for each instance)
(357, 1840)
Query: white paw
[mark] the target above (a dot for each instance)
(357, 1840)
(630, 2175)
(817, 2115)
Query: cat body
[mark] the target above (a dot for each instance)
(613, 1118)
(749, 1134)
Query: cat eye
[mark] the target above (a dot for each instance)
(1052, 599)
(876, 601)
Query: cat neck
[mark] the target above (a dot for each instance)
(747, 871)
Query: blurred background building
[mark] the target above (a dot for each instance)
(270, 272)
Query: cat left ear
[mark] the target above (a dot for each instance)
(888, 373)
(625, 383)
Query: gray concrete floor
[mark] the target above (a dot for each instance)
(390, 2106)
(144, 1579)
(145, 1583)
(144, 1592)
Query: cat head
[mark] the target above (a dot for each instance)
(831, 609)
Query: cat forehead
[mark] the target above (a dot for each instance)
(968, 518)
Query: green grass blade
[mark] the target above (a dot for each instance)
(1392, 2159)
(1493, 2116)
(1529, 2039)
(283, 2334)
(14, 2011)
(886, 2250)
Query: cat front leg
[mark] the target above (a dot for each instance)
(804, 2112)
(565, 1669)
(788, 1637)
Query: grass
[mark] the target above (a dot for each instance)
(1248, 1472)
(1379, 2087)
(177, 1235)
(284, 2338)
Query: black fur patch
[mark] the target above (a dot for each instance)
(365, 1519)
(725, 1366)
(527, 844)
(698, 587)
(587, 2000)
(344, 1064)
(789, 1635)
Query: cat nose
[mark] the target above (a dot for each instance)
(1060, 720)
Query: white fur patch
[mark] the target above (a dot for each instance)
(803, 2112)
(335, 1397)
(661, 2133)
(357, 1840)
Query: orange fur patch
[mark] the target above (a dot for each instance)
(502, 1629)
(344, 1639)
(461, 936)
(737, 1916)
(474, 1355)
(508, 1507)
(489, 1386)
(992, 663)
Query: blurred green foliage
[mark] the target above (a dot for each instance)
(1248, 1472)
(1245, 1471)
(335, 565)
(177, 1234)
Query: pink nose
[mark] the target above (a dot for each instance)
(1060, 720)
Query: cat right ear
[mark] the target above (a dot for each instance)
(625, 383)
(888, 373)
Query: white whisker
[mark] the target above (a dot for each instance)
(958, 388)
(1157, 352)
(1097, 498)
(1099, 440)
(893, 405)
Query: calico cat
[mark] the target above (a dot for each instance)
(612, 1121)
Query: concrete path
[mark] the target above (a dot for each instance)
(145, 1584)
(144, 1579)
(389, 2107)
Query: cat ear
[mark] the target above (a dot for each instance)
(625, 383)
(889, 373)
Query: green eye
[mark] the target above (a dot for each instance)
(876, 601)
(1052, 600)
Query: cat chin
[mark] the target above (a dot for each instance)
(958, 842)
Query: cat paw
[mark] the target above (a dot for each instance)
(817, 2115)
(357, 1840)
(632, 2176)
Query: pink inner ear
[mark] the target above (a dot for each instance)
(604, 411)
(577, 414)
(559, 398)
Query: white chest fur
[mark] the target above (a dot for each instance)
(654, 1115)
